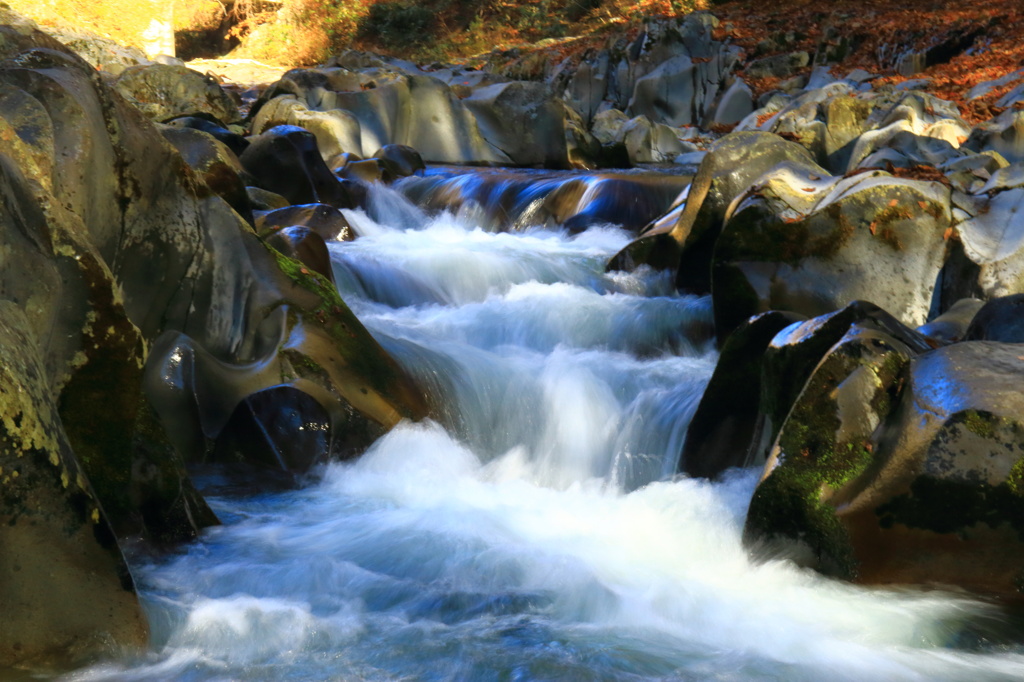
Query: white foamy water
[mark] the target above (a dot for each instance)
(534, 532)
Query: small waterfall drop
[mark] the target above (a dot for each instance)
(535, 532)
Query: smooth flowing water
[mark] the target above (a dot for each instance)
(536, 531)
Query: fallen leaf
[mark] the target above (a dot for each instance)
(893, 202)
(872, 226)
(947, 234)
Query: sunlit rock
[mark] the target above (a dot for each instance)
(65, 590)
(952, 325)
(869, 236)
(163, 92)
(685, 245)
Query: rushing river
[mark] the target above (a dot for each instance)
(536, 532)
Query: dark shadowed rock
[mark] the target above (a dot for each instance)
(1001, 319)
(279, 427)
(304, 245)
(286, 160)
(325, 220)
(720, 433)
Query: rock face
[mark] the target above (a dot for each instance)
(65, 591)
(891, 462)
(138, 311)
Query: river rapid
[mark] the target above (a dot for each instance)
(536, 531)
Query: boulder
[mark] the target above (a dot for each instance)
(648, 142)
(732, 164)
(1001, 319)
(287, 160)
(118, 261)
(325, 220)
(992, 240)
(952, 325)
(164, 92)
(937, 498)
(336, 131)
(869, 236)
(523, 120)
(720, 434)
(212, 160)
(65, 591)
(795, 352)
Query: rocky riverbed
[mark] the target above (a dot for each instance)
(168, 298)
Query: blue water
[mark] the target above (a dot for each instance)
(536, 530)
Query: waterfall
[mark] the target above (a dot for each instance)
(535, 531)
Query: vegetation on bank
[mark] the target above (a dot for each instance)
(961, 42)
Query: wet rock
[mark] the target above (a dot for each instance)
(731, 165)
(325, 220)
(279, 427)
(722, 428)
(235, 142)
(952, 325)
(404, 159)
(793, 354)
(264, 200)
(164, 92)
(1001, 319)
(286, 160)
(111, 244)
(826, 447)
(305, 246)
(937, 501)
(215, 163)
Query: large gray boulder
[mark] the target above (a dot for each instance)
(685, 244)
(794, 243)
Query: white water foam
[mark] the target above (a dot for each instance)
(539, 533)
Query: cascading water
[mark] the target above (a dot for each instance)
(537, 533)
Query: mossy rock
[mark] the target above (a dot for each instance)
(826, 446)
(940, 501)
(65, 590)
